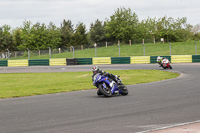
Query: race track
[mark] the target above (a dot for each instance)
(148, 106)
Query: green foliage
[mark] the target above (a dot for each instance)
(38, 36)
(67, 31)
(6, 38)
(80, 36)
(123, 25)
(97, 32)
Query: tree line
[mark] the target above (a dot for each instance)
(123, 25)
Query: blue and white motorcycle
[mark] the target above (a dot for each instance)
(108, 87)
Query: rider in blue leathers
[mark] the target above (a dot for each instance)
(96, 70)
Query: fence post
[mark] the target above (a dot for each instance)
(15, 54)
(39, 52)
(28, 53)
(81, 47)
(73, 50)
(130, 42)
(143, 47)
(50, 52)
(119, 49)
(95, 45)
(170, 48)
(195, 48)
(59, 50)
(8, 54)
(106, 44)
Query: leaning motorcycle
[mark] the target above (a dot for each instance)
(166, 65)
(108, 87)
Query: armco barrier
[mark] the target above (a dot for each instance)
(181, 59)
(72, 61)
(84, 61)
(38, 62)
(153, 59)
(57, 62)
(195, 58)
(140, 59)
(120, 60)
(12, 63)
(101, 60)
(3, 63)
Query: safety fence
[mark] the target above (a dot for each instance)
(99, 60)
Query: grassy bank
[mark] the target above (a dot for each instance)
(178, 48)
(29, 84)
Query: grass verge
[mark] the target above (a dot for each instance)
(177, 48)
(29, 84)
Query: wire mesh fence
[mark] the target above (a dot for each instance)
(107, 49)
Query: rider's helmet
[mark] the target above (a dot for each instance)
(95, 69)
(159, 59)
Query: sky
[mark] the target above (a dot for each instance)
(15, 12)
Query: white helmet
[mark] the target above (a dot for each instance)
(159, 58)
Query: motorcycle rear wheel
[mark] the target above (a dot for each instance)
(105, 91)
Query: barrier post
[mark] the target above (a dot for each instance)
(143, 47)
(8, 54)
(195, 48)
(73, 50)
(170, 48)
(95, 45)
(50, 52)
(119, 49)
(28, 53)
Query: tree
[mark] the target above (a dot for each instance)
(67, 31)
(39, 36)
(80, 36)
(196, 32)
(122, 25)
(97, 32)
(196, 29)
(17, 37)
(53, 36)
(6, 38)
(26, 36)
(143, 30)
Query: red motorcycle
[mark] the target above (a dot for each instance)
(166, 65)
(164, 62)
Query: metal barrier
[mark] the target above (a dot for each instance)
(102, 60)
(140, 59)
(181, 59)
(13, 63)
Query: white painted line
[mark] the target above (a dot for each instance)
(171, 126)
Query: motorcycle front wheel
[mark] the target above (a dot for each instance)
(123, 88)
(105, 91)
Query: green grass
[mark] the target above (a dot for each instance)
(181, 48)
(178, 48)
(29, 84)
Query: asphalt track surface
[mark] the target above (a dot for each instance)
(148, 106)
